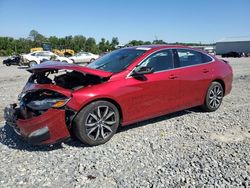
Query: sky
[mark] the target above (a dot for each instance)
(204, 21)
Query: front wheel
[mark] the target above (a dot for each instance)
(32, 63)
(97, 123)
(214, 97)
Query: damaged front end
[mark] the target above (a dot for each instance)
(42, 115)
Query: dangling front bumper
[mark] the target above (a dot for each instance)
(47, 128)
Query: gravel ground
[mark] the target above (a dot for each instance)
(184, 149)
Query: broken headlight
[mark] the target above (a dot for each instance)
(47, 103)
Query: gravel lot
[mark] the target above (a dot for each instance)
(185, 149)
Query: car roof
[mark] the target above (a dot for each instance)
(158, 46)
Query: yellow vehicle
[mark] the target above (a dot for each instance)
(36, 49)
(47, 47)
(64, 52)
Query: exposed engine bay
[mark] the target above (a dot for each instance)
(35, 102)
(66, 79)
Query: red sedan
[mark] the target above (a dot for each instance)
(125, 86)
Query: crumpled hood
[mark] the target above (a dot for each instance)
(55, 65)
(29, 87)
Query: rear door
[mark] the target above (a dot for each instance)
(195, 76)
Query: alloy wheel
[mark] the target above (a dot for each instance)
(215, 96)
(100, 123)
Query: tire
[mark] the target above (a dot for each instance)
(8, 64)
(92, 60)
(214, 97)
(65, 61)
(32, 63)
(96, 123)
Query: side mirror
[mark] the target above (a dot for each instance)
(142, 71)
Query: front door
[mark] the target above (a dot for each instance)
(156, 93)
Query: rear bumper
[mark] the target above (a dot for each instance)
(48, 128)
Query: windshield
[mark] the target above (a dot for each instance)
(116, 61)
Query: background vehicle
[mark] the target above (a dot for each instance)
(84, 57)
(45, 46)
(123, 87)
(37, 57)
(14, 60)
(62, 51)
(231, 54)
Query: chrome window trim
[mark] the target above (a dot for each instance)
(129, 74)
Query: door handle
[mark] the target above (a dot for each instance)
(172, 76)
(205, 70)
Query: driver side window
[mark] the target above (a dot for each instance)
(159, 61)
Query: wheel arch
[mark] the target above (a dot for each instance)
(114, 102)
(222, 84)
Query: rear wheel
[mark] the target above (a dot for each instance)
(214, 97)
(97, 123)
(92, 60)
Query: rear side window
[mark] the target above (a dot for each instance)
(206, 58)
(186, 57)
(189, 57)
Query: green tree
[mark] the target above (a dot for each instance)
(114, 43)
(37, 38)
(9, 45)
(102, 45)
(91, 45)
(147, 43)
(136, 42)
(54, 41)
(159, 42)
(79, 43)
